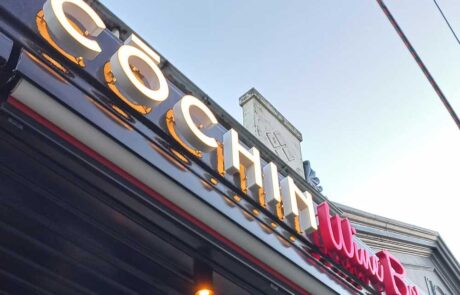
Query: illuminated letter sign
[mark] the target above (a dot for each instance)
(191, 117)
(235, 155)
(394, 276)
(298, 205)
(56, 12)
(335, 238)
(137, 74)
(271, 184)
(133, 71)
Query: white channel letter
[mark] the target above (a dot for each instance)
(135, 55)
(191, 116)
(235, 154)
(56, 11)
(298, 203)
(135, 41)
(271, 184)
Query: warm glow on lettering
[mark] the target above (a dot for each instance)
(271, 184)
(235, 154)
(191, 118)
(298, 204)
(56, 11)
(130, 63)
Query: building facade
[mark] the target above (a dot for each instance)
(121, 176)
(426, 257)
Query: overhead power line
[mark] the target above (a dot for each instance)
(447, 21)
(420, 62)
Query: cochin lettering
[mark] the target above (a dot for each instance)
(191, 117)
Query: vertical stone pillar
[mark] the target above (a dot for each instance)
(264, 121)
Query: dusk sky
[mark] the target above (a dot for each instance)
(374, 130)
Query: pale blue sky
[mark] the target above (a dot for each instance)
(376, 133)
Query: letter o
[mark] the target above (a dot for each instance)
(190, 112)
(154, 91)
(55, 16)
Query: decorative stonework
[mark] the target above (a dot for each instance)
(434, 289)
(253, 93)
(262, 119)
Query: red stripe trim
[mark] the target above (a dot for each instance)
(153, 194)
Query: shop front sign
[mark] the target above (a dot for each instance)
(72, 28)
